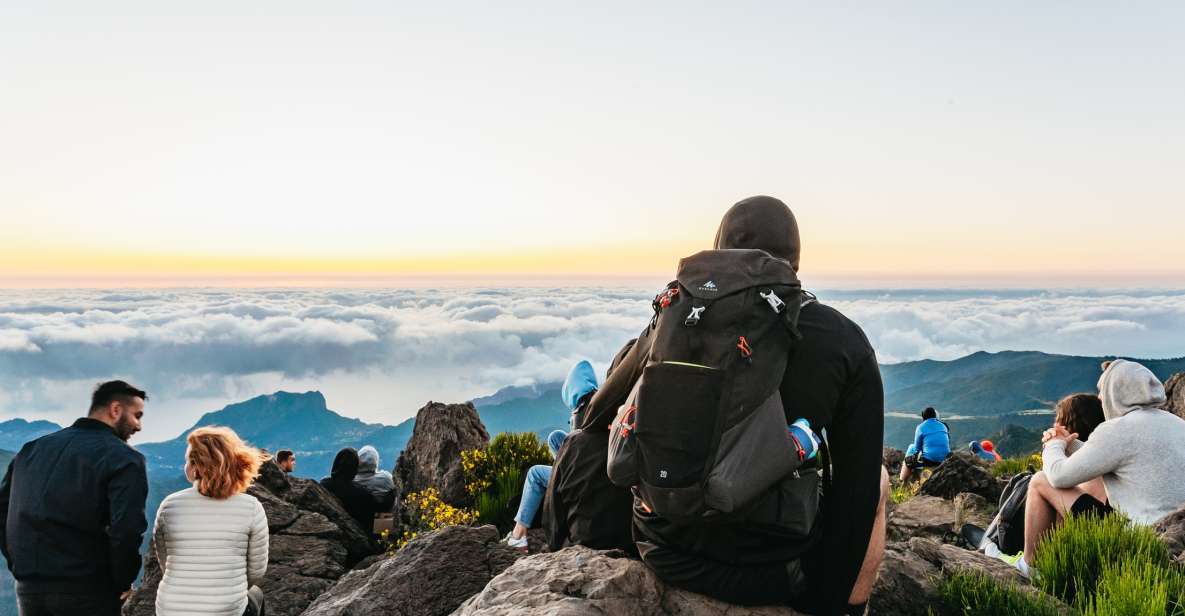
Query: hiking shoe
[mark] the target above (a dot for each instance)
(1024, 568)
(519, 544)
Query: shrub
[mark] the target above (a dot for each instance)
(901, 492)
(977, 594)
(494, 475)
(1011, 466)
(426, 512)
(1138, 589)
(1073, 558)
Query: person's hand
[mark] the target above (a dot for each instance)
(1059, 432)
(123, 596)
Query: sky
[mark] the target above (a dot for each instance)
(381, 354)
(1012, 144)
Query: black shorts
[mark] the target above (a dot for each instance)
(1087, 504)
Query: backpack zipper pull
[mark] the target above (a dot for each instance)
(746, 350)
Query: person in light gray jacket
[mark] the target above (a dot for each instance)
(212, 539)
(1133, 462)
(380, 484)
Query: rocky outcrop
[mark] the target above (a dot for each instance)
(963, 471)
(1174, 389)
(906, 585)
(922, 516)
(577, 580)
(892, 459)
(313, 542)
(431, 576)
(1171, 529)
(433, 455)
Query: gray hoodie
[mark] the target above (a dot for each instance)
(1139, 450)
(380, 484)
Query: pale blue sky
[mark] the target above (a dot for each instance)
(926, 139)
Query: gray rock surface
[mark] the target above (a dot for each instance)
(577, 581)
(1171, 529)
(963, 471)
(1174, 388)
(433, 455)
(431, 576)
(922, 516)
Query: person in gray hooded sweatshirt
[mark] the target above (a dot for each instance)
(1133, 462)
(380, 484)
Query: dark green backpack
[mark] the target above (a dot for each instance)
(703, 432)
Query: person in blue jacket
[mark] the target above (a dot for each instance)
(978, 450)
(577, 390)
(931, 444)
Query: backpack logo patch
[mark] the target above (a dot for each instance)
(708, 286)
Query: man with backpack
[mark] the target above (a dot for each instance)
(727, 490)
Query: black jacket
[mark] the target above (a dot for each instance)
(832, 379)
(582, 506)
(356, 500)
(73, 511)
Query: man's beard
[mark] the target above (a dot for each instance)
(124, 429)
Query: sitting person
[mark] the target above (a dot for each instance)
(978, 450)
(581, 506)
(286, 460)
(931, 445)
(212, 539)
(380, 484)
(1080, 414)
(1132, 463)
(578, 388)
(357, 501)
(990, 449)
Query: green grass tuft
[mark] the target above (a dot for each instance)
(977, 594)
(1075, 556)
(1012, 466)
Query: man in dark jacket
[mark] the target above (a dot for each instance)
(73, 511)
(582, 507)
(833, 380)
(355, 499)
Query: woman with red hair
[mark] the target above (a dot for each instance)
(212, 539)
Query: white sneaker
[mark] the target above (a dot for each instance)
(519, 544)
(1023, 567)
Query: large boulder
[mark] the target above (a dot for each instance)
(432, 457)
(963, 471)
(577, 580)
(906, 583)
(1171, 529)
(892, 460)
(1174, 388)
(312, 543)
(431, 576)
(922, 516)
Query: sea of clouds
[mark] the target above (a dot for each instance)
(381, 354)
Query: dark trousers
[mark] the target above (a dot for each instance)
(68, 604)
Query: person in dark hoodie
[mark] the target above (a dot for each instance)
(581, 506)
(832, 379)
(356, 500)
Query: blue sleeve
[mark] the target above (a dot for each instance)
(919, 439)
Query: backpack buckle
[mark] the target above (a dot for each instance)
(693, 317)
(774, 301)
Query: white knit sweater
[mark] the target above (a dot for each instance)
(211, 552)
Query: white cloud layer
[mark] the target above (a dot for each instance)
(381, 354)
